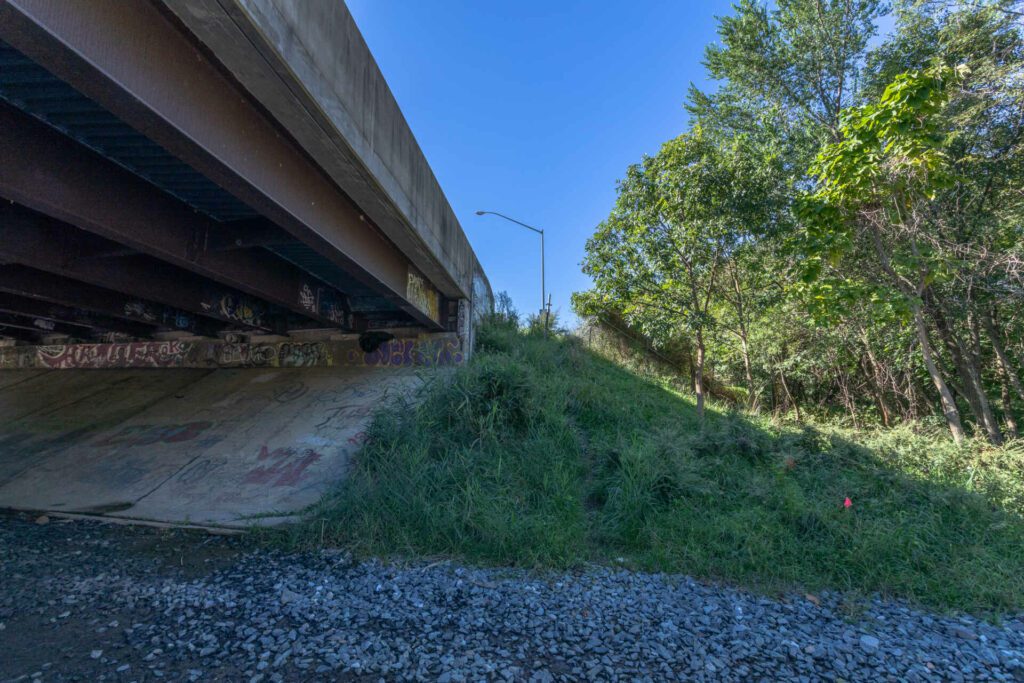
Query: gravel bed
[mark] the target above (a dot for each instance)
(87, 601)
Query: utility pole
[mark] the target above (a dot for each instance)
(547, 317)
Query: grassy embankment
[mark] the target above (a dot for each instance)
(540, 453)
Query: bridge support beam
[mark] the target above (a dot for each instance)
(61, 178)
(44, 243)
(143, 67)
(140, 317)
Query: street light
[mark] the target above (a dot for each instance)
(539, 232)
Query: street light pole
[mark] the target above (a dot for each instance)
(543, 294)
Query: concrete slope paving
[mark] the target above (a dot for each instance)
(209, 447)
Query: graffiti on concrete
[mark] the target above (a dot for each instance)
(281, 466)
(277, 355)
(287, 393)
(426, 351)
(237, 308)
(423, 296)
(463, 320)
(199, 470)
(332, 309)
(322, 302)
(302, 355)
(410, 352)
(140, 310)
(165, 354)
(483, 300)
(306, 298)
(148, 435)
(354, 400)
(246, 355)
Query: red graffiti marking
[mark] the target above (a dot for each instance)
(357, 439)
(285, 468)
(145, 435)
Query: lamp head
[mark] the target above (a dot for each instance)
(480, 213)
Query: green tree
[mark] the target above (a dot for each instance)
(662, 256)
(875, 184)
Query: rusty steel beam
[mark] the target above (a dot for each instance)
(59, 177)
(143, 67)
(134, 313)
(57, 313)
(41, 242)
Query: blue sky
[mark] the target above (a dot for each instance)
(535, 109)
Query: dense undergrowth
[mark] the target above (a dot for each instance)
(540, 453)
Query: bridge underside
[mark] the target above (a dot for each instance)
(240, 232)
(127, 215)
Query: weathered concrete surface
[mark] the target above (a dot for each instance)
(308, 64)
(429, 350)
(212, 447)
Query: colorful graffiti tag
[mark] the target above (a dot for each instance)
(166, 354)
(303, 355)
(237, 307)
(410, 352)
(282, 355)
(423, 296)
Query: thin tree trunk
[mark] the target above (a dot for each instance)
(1007, 405)
(876, 378)
(1004, 361)
(699, 376)
(871, 376)
(949, 408)
(789, 396)
(847, 399)
(753, 400)
(970, 379)
(752, 397)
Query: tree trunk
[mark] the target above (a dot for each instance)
(753, 401)
(789, 395)
(949, 408)
(1004, 361)
(741, 318)
(1007, 405)
(698, 383)
(970, 376)
(871, 376)
(841, 381)
(876, 378)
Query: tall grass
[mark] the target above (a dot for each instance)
(541, 454)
